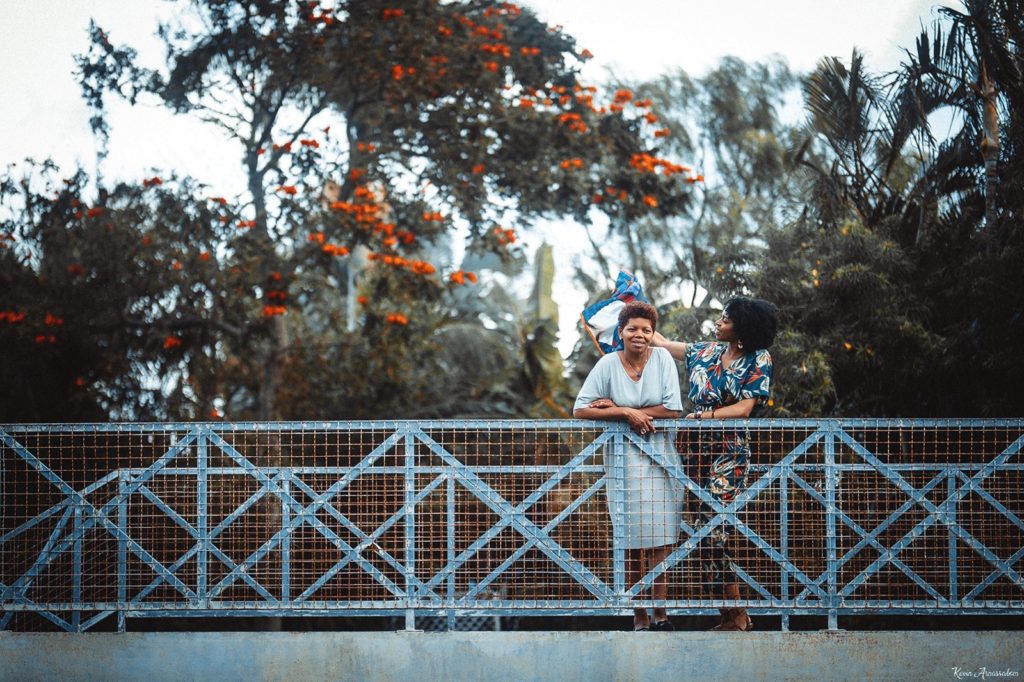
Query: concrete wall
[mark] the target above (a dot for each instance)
(562, 656)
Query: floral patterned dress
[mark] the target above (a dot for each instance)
(719, 458)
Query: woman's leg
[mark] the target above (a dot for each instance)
(727, 479)
(659, 590)
(634, 572)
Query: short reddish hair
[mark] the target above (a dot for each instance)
(638, 309)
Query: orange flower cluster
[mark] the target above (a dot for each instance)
(528, 51)
(286, 147)
(571, 164)
(52, 320)
(642, 103)
(478, 169)
(650, 118)
(481, 30)
(574, 121)
(418, 267)
(175, 265)
(80, 382)
(695, 178)
(277, 295)
(334, 250)
(45, 338)
(204, 256)
(613, 191)
(356, 173)
(396, 318)
(363, 212)
(288, 189)
(491, 66)
(309, 143)
(219, 200)
(317, 237)
(152, 182)
(398, 72)
(11, 317)
(388, 14)
(246, 224)
(504, 237)
(272, 310)
(362, 300)
(171, 342)
(586, 54)
(325, 19)
(622, 96)
(460, 276)
(274, 276)
(505, 8)
(663, 132)
(215, 413)
(650, 201)
(444, 31)
(645, 163)
(433, 216)
(366, 147)
(497, 49)
(76, 269)
(94, 212)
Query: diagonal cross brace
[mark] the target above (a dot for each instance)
(724, 511)
(515, 517)
(936, 513)
(304, 514)
(871, 538)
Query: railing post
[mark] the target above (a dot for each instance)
(784, 541)
(122, 551)
(954, 593)
(451, 551)
(618, 512)
(831, 482)
(286, 541)
(76, 585)
(5, 616)
(410, 530)
(202, 520)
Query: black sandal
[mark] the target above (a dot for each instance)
(663, 626)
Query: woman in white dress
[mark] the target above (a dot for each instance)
(639, 384)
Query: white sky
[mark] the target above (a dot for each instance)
(42, 114)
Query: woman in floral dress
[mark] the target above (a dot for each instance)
(727, 379)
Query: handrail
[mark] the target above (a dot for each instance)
(497, 517)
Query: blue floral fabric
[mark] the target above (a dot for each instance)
(719, 459)
(712, 386)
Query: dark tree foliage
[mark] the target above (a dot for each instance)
(369, 134)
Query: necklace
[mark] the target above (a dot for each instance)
(726, 363)
(637, 370)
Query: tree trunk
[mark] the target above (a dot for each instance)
(989, 145)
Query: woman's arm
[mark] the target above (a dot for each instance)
(638, 420)
(740, 410)
(676, 349)
(660, 412)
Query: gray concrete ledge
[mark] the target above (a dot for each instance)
(513, 656)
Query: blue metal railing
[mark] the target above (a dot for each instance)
(500, 517)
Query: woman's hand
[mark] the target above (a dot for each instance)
(639, 421)
(602, 404)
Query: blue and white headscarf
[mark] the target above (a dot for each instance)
(601, 319)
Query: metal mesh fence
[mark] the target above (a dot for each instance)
(507, 518)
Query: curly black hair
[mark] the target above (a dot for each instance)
(638, 309)
(754, 320)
